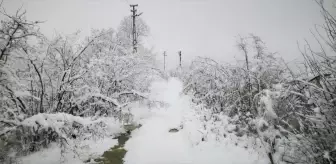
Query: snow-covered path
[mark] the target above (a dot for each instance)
(154, 144)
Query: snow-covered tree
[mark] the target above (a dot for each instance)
(59, 90)
(125, 30)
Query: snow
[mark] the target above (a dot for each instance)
(51, 155)
(153, 143)
(58, 120)
(106, 98)
(95, 148)
(86, 146)
(326, 155)
(139, 112)
(267, 101)
(85, 150)
(25, 94)
(5, 130)
(200, 138)
(317, 110)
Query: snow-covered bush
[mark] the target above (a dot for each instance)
(57, 90)
(232, 88)
(39, 131)
(308, 102)
(245, 92)
(291, 117)
(292, 114)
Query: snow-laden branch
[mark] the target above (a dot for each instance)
(10, 122)
(133, 92)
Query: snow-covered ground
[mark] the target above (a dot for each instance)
(77, 150)
(195, 142)
(84, 150)
(154, 144)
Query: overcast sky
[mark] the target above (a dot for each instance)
(197, 27)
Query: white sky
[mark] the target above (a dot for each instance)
(197, 27)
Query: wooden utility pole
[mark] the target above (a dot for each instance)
(134, 33)
(164, 60)
(180, 54)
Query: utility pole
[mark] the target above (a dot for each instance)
(134, 34)
(180, 54)
(164, 60)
